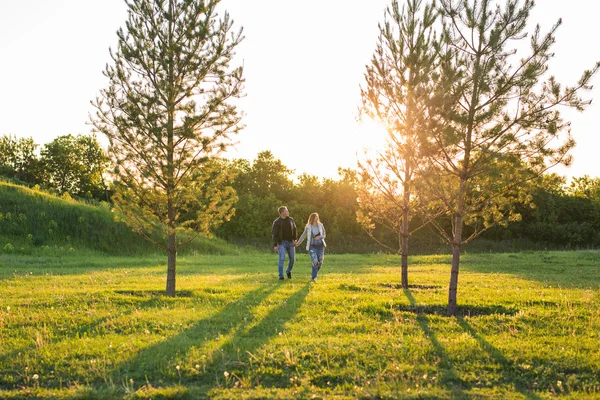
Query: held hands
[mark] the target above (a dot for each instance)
(276, 248)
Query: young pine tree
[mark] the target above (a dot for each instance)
(398, 85)
(167, 114)
(495, 123)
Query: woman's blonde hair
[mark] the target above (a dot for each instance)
(312, 217)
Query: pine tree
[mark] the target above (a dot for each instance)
(398, 85)
(167, 113)
(495, 122)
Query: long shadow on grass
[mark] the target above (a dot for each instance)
(441, 310)
(448, 376)
(156, 363)
(145, 360)
(512, 373)
(462, 310)
(236, 355)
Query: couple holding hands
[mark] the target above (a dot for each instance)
(284, 235)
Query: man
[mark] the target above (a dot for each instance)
(284, 238)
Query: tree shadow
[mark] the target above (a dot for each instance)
(237, 353)
(448, 376)
(413, 287)
(386, 311)
(356, 288)
(512, 373)
(153, 361)
(395, 286)
(154, 364)
(153, 293)
(462, 310)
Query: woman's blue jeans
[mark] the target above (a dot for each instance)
(316, 255)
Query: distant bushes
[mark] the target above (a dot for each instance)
(560, 219)
(565, 216)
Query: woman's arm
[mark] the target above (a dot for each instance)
(302, 237)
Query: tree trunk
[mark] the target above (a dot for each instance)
(171, 251)
(404, 248)
(452, 305)
(171, 244)
(171, 266)
(405, 212)
(404, 266)
(464, 176)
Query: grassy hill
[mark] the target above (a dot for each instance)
(98, 327)
(33, 221)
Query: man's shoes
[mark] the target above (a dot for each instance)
(281, 278)
(289, 275)
(314, 280)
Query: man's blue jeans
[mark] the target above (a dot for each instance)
(316, 255)
(286, 247)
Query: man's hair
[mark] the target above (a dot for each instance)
(281, 209)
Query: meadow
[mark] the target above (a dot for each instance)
(85, 325)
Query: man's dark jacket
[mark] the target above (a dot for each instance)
(277, 232)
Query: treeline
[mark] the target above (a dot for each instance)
(266, 183)
(73, 165)
(562, 215)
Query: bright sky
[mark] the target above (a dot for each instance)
(304, 62)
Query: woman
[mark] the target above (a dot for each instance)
(315, 243)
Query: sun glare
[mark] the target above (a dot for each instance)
(371, 136)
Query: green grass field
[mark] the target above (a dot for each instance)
(92, 326)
